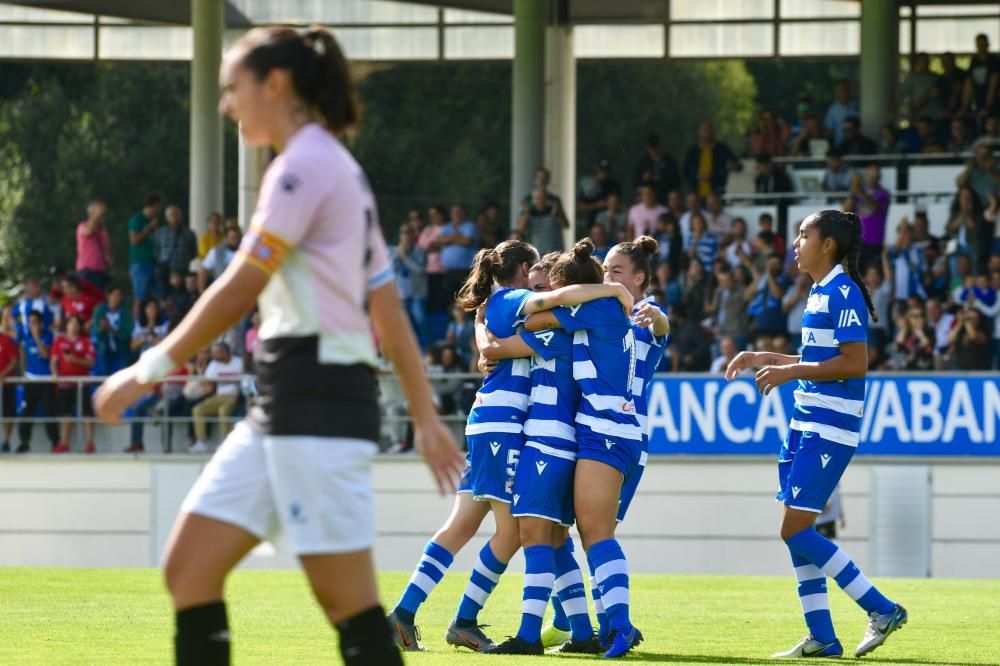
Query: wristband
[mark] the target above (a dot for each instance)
(153, 365)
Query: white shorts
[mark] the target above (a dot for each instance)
(317, 491)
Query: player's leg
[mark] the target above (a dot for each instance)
(558, 631)
(573, 597)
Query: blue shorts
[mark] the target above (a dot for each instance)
(543, 484)
(492, 463)
(809, 468)
(629, 486)
(622, 454)
(465, 483)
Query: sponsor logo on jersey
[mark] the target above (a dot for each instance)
(541, 465)
(575, 308)
(795, 492)
(848, 318)
(628, 407)
(845, 290)
(824, 460)
(608, 443)
(494, 446)
(516, 498)
(818, 303)
(290, 182)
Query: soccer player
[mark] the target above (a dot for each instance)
(825, 428)
(315, 262)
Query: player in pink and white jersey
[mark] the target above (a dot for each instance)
(315, 262)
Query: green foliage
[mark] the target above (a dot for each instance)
(783, 82)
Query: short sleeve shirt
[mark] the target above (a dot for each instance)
(145, 251)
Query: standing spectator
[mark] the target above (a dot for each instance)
(542, 221)
(702, 245)
(656, 168)
(904, 265)
(981, 174)
(965, 227)
(217, 260)
(9, 356)
(409, 262)
(708, 162)
(459, 241)
(871, 203)
(690, 350)
(794, 306)
(728, 349)
(980, 93)
(889, 142)
(991, 133)
(878, 331)
(989, 305)
(614, 218)
(926, 137)
(150, 327)
(719, 221)
(952, 83)
(736, 242)
(93, 246)
(838, 176)
(595, 190)
(771, 178)
(599, 237)
(969, 343)
(492, 210)
(670, 243)
(36, 351)
(769, 136)
(696, 290)
(728, 308)
(915, 342)
(489, 234)
(73, 356)
(920, 92)
(693, 206)
(643, 216)
(437, 295)
(141, 250)
(179, 300)
(213, 234)
(765, 295)
(942, 323)
(32, 300)
(222, 395)
(77, 302)
(175, 245)
(854, 142)
(843, 107)
(811, 140)
(111, 330)
(194, 391)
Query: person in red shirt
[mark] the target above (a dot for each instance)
(9, 356)
(73, 356)
(77, 302)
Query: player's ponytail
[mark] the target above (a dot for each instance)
(578, 266)
(854, 262)
(845, 230)
(498, 265)
(640, 252)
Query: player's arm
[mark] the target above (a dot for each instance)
(576, 294)
(747, 360)
(541, 321)
(852, 362)
(498, 348)
(653, 317)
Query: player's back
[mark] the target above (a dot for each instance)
(649, 350)
(555, 394)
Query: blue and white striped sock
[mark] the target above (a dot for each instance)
(836, 564)
(485, 574)
(572, 595)
(595, 594)
(559, 619)
(611, 571)
(539, 576)
(429, 572)
(814, 599)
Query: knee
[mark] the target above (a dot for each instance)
(532, 535)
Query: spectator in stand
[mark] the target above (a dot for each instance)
(926, 137)
(501, 228)
(643, 216)
(942, 322)
(73, 356)
(728, 309)
(969, 342)
(921, 235)
(417, 223)
(904, 265)
(981, 174)
(979, 96)
(771, 178)
(708, 163)
(668, 285)
(459, 241)
(889, 142)
(142, 251)
(599, 237)
(250, 340)
(728, 349)
(966, 227)
(958, 138)
(674, 203)
(992, 217)
(765, 294)
(542, 218)
(409, 262)
(693, 207)
(656, 168)
(719, 221)
(854, 142)
(32, 300)
(920, 92)
(141, 410)
(696, 289)
(765, 222)
(77, 302)
(988, 304)
(175, 245)
(870, 201)
(151, 326)
(594, 191)
(193, 392)
(690, 350)
(9, 356)
(878, 331)
(702, 245)
(770, 136)
(94, 258)
(794, 306)
(36, 351)
(179, 300)
(736, 242)
(952, 83)
(838, 176)
(111, 330)
(914, 344)
(213, 234)
(843, 107)
(437, 296)
(991, 133)
(218, 258)
(223, 396)
(461, 333)
(811, 141)
(670, 243)
(961, 277)
(486, 231)
(614, 218)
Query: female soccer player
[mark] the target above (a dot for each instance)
(498, 281)
(825, 428)
(301, 462)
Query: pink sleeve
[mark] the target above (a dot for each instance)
(290, 195)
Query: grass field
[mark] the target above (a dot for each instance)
(107, 616)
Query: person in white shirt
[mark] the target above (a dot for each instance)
(693, 203)
(224, 395)
(219, 258)
(719, 221)
(727, 352)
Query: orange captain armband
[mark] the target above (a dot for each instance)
(264, 249)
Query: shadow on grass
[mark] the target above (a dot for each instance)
(715, 659)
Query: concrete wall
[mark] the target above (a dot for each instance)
(691, 516)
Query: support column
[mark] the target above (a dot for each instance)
(252, 163)
(560, 120)
(207, 26)
(527, 99)
(879, 62)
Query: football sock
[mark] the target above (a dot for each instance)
(611, 571)
(595, 593)
(539, 575)
(366, 639)
(202, 637)
(429, 572)
(559, 619)
(836, 564)
(484, 577)
(814, 600)
(571, 593)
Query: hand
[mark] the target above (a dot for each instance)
(646, 315)
(485, 365)
(741, 362)
(437, 447)
(481, 314)
(116, 394)
(771, 377)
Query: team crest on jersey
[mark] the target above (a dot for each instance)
(290, 182)
(818, 303)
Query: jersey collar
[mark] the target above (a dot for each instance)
(837, 270)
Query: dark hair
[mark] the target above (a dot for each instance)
(652, 140)
(72, 280)
(113, 287)
(142, 312)
(640, 252)
(152, 199)
(853, 120)
(319, 70)
(546, 263)
(845, 230)
(78, 319)
(833, 152)
(578, 266)
(35, 314)
(498, 264)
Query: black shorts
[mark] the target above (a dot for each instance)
(66, 401)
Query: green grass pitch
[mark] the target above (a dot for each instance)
(123, 616)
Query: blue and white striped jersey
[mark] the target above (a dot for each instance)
(649, 351)
(604, 365)
(835, 313)
(502, 401)
(555, 395)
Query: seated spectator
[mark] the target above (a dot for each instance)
(770, 178)
(991, 132)
(728, 349)
(213, 235)
(668, 285)
(889, 142)
(838, 176)
(764, 245)
(854, 142)
(961, 278)
(77, 302)
(914, 342)
(904, 264)
(594, 191)
(719, 221)
(871, 203)
(765, 294)
(811, 141)
(461, 333)
(981, 174)
(140, 411)
(770, 136)
(670, 244)
(222, 396)
(690, 350)
(926, 140)
(674, 203)
(150, 327)
(736, 242)
(782, 344)
(969, 343)
(701, 245)
(193, 391)
(920, 232)
(728, 309)
(643, 216)
(843, 107)
(693, 206)
(218, 258)
(989, 306)
(447, 391)
(178, 300)
(878, 331)
(111, 330)
(942, 322)
(794, 306)
(959, 140)
(72, 355)
(36, 350)
(614, 218)
(696, 287)
(656, 168)
(409, 261)
(250, 339)
(708, 163)
(765, 223)
(599, 237)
